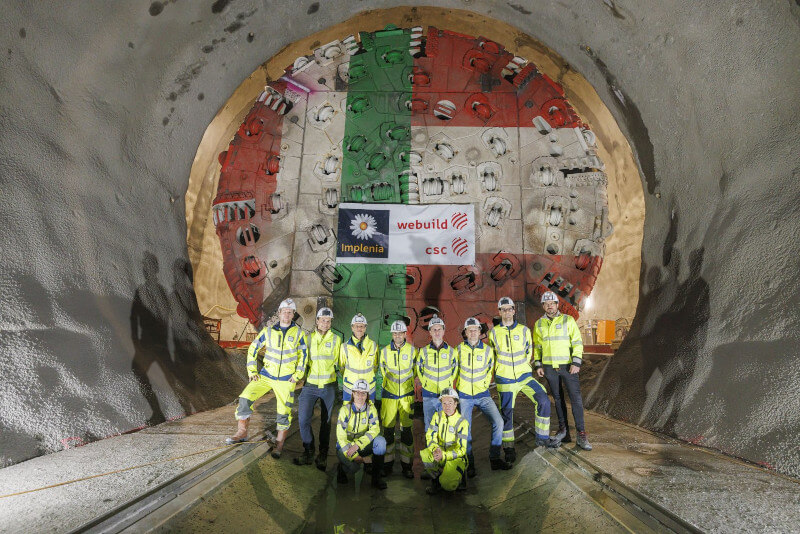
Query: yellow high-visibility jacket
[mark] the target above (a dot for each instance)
(512, 346)
(323, 354)
(557, 341)
(436, 368)
(397, 366)
(357, 427)
(449, 434)
(285, 352)
(475, 369)
(358, 360)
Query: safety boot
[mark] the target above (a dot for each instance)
(407, 472)
(341, 476)
(563, 435)
(278, 449)
(471, 473)
(425, 476)
(377, 472)
(388, 467)
(435, 487)
(497, 462)
(307, 458)
(463, 484)
(510, 454)
(322, 460)
(550, 443)
(583, 441)
(241, 432)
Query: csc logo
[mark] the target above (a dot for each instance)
(436, 250)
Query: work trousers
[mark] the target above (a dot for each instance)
(448, 471)
(284, 395)
(430, 405)
(377, 447)
(541, 403)
(489, 409)
(305, 411)
(392, 412)
(557, 378)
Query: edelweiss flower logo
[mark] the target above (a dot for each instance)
(363, 226)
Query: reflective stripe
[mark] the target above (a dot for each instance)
(319, 358)
(359, 371)
(321, 377)
(290, 358)
(436, 379)
(555, 338)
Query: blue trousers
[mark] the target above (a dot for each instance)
(377, 447)
(305, 411)
(557, 378)
(430, 405)
(489, 409)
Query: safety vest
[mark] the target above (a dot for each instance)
(436, 368)
(397, 367)
(512, 346)
(449, 433)
(357, 426)
(556, 341)
(322, 354)
(285, 353)
(475, 368)
(358, 363)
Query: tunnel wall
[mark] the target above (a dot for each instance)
(103, 107)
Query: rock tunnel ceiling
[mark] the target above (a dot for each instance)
(403, 116)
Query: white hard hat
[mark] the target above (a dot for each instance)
(505, 301)
(399, 326)
(325, 312)
(434, 321)
(361, 385)
(449, 392)
(549, 296)
(358, 319)
(288, 303)
(472, 321)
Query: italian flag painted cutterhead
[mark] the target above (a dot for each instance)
(404, 174)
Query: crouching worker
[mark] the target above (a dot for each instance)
(358, 436)
(445, 457)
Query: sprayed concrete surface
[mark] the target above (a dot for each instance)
(171, 448)
(104, 105)
(711, 491)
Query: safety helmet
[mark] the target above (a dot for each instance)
(505, 301)
(358, 319)
(399, 326)
(472, 321)
(449, 392)
(434, 321)
(549, 296)
(288, 303)
(325, 312)
(360, 385)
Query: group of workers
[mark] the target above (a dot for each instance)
(449, 376)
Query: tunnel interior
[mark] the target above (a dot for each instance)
(104, 111)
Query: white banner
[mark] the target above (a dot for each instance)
(427, 234)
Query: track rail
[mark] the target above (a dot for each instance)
(173, 496)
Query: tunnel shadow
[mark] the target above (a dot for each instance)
(150, 334)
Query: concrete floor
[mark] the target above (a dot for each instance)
(712, 491)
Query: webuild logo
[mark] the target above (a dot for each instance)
(458, 221)
(363, 233)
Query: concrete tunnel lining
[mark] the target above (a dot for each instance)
(80, 122)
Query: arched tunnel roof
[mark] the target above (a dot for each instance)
(104, 107)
